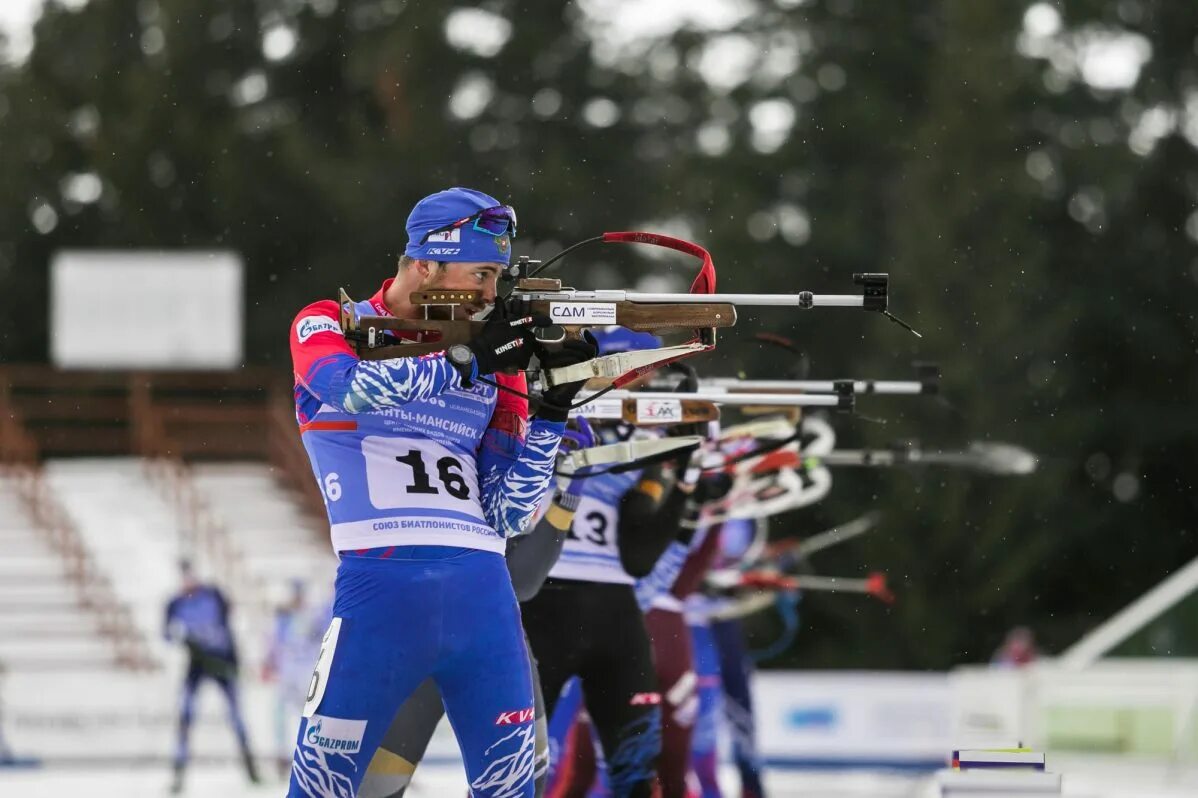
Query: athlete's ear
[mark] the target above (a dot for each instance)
(423, 267)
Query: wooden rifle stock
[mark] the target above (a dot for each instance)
(692, 411)
(418, 336)
(443, 332)
(572, 316)
(654, 413)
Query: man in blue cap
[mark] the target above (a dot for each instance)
(426, 470)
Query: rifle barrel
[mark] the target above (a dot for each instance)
(801, 300)
(860, 457)
(996, 459)
(721, 397)
(905, 387)
(747, 300)
(832, 584)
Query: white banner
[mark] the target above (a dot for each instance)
(853, 718)
(146, 310)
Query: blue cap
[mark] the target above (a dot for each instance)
(463, 243)
(621, 339)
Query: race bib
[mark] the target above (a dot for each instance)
(420, 474)
(594, 529)
(324, 663)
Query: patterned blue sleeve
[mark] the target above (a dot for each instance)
(352, 386)
(515, 476)
(325, 364)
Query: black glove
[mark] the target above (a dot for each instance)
(712, 487)
(555, 402)
(505, 342)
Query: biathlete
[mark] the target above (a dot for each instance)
(585, 621)
(198, 617)
(529, 559)
(426, 468)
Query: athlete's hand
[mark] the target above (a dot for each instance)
(555, 402)
(579, 434)
(712, 488)
(505, 342)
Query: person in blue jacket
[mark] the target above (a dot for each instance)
(198, 617)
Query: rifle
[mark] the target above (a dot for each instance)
(627, 455)
(872, 585)
(760, 494)
(928, 383)
(773, 428)
(778, 476)
(999, 459)
(658, 403)
(572, 310)
(802, 548)
(766, 586)
(650, 412)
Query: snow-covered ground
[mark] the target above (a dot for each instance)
(1082, 779)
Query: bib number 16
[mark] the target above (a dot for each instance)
(449, 472)
(331, 487)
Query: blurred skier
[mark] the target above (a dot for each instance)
(198, 617)
(1018, 649)
(294, 644)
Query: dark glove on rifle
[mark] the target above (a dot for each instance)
(505, 343)
(555, 402)
(711, 488)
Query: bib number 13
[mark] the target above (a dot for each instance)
(449, 473)
(597, 534)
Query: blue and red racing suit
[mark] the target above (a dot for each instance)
(423, 480)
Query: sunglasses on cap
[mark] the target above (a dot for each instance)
(496, 221)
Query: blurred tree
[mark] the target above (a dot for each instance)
(1027, 173)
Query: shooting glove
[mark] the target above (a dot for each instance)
(711, 488)
(504, 343)
(555, 402)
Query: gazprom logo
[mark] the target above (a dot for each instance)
(335, 735)
(308, 326)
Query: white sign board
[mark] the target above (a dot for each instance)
(854, 718)
(146, 310)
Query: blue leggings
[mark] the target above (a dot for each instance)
(425, 611)
(736, 670)
(225, 679)
(705, 743)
